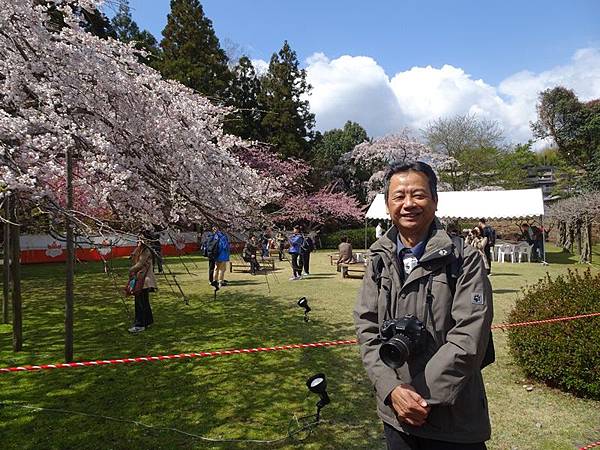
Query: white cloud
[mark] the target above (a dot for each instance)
(352, 88)
(357, 88)
(260, 66)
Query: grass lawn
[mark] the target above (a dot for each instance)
(242, 396)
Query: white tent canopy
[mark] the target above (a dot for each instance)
(491, 205)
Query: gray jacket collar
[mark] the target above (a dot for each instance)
(439, 246)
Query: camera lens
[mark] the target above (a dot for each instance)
(396, 351)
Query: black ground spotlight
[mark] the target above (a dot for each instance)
(302, 427)
(303, 303)
(318, 384)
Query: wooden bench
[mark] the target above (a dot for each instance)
(266, 262)
(356, 270)
(333, 257)
(239, 265)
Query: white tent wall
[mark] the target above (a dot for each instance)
(493, 205)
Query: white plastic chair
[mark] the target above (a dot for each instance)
(506, 250)
(522, 251)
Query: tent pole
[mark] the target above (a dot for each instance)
(543, 241)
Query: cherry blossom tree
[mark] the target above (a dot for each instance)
(82, 109)
(143, 147)
(321, 208)
(369, 159)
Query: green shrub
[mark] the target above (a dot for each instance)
(356, 236)
(563, 354)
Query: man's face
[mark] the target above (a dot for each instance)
(410, 203)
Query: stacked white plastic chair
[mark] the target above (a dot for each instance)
(506, 250)
(523, 251)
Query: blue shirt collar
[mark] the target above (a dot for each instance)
(417, 250)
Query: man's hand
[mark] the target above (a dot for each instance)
(409, 406)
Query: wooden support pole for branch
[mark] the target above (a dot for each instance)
(15, 247)
(70, 265)
(6, 267)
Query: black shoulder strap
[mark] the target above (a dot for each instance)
(454, 269)
(377, 265)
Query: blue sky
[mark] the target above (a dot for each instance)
(490, 42)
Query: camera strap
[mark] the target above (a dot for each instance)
(428, 309)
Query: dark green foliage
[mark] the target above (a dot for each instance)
(192, 54)
(356, 236)
(288, 122)
(575, 127)
(512, 164)
(334, 143)
(127, 30)
(244, 96)
(563, 354)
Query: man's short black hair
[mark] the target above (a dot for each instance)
(344, 239)
(417, 166)
(482, 220)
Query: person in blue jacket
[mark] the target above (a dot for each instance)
(222, 258)
(296, 240)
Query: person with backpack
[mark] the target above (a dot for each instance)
(487, 232)
(221, 252)
(305, 250)
(209, 247)
(417, 274)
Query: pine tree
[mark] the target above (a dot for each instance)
(127, 30)
(192, 54)
(244, 97)
(123, 24)
(288, 122)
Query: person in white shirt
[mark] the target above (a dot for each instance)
(379, 230)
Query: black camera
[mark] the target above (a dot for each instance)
(401, 339)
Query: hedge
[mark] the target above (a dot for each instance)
(356, 236)
(563, 354)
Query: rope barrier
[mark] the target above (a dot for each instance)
(104, 362)
(178, 356)
(592, 445)
(503, 326)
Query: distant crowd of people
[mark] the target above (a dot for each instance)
(215, 246)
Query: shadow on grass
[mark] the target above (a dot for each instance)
(496, 274)
(241, 396)
(560, 257)
(504, 291)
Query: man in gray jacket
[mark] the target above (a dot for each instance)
(436, 400)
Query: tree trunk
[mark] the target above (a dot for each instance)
(561, 239)
(578, 236)
(70, 262)
(586, 242)
(15, 266)
(6, 267)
